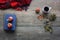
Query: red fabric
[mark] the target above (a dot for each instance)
(20, 4)
(13, 4)
(24, 2)
(27, 1)
(3, 1)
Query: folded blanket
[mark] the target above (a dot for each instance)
(4, 4)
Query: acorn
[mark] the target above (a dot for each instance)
(37, 10)
(40, 17)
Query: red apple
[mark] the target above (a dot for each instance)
(9, 25)
(10, 18)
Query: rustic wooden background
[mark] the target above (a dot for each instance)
(28, 26)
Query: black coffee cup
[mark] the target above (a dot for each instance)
(46, 9)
